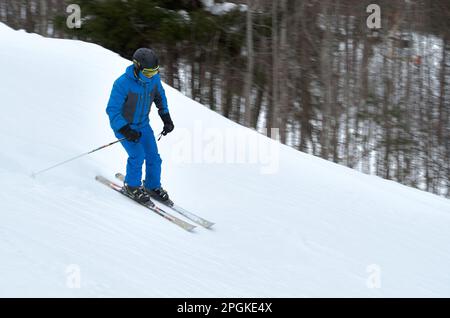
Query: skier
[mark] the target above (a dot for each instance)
(128, 110)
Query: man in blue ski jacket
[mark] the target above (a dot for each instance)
(128, 109)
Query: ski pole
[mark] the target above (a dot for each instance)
(34, 174)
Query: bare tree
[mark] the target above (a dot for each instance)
(250, 64)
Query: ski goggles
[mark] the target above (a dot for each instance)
(149, 72)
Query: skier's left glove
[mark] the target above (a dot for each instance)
(168, 123)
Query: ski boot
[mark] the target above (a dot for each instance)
(137, 193)
(160, 195)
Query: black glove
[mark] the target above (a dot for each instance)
(168, 124)
(130, 134)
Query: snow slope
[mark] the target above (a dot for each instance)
(291, 226)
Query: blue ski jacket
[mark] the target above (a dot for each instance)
(131, 98)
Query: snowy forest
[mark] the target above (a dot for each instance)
(373, 99)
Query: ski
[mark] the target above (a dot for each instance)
(191, 216)
(185, 225)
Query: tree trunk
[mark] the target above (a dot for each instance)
(283, 78)
(273, 113)
(250, 65)
(258, 104)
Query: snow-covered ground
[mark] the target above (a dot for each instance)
(287, 224)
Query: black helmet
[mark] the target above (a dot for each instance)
(145, 58)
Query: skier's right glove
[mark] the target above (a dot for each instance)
(130, 134)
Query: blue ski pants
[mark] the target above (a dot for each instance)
(138, 152)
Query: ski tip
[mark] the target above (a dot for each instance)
(187, 226)
(209, 225)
